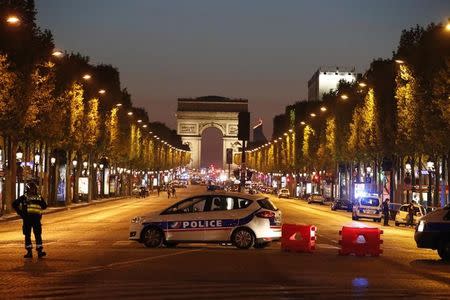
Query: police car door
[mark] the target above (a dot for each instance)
(183, 223)
(220, 219)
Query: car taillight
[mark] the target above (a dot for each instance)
(265, 214)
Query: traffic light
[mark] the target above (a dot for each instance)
(244, 126)
(229, 156)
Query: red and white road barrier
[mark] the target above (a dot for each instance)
(298, 238)
(360, 241)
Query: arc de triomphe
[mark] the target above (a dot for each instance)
(194, 115)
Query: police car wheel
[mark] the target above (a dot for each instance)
(243, 238)
(444, 250)
(153, 238)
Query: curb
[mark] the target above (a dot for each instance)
(13, 216)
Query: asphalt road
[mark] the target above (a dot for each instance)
(89, 256)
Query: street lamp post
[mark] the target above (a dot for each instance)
(407, 179)
(19, 157)
(52, 187)
(75, 180)
(37, 159)
(102, 180)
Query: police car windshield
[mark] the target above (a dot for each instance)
(368, 201)
(267, 204)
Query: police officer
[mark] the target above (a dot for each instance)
(386, 212)
(411, 212)
(29, 207)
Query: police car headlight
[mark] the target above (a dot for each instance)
(421, 226)
(137, 220)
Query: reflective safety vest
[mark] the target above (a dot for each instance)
(34, 205)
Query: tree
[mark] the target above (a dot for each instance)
(408, 112)
(74, 108)
(8, 106)
(92, 121)
(41, 105)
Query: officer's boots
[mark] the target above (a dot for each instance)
(29, 254)
(41, 252)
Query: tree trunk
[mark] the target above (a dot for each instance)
(436, 183)
(448, 177)
(68, 179)
(443, 184)
(10, 192)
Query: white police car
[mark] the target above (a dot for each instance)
(368, 207)
(433, 232)
(241, 219)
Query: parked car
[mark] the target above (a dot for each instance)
(284, 193)
(343, 204)
(213, 187)
(368, 207)
(316, 198)
(402, 215)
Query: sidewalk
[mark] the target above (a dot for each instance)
(50, 210)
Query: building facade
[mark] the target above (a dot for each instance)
(326, 79)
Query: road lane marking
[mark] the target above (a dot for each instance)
(87, 243)
(123, 243)
(326, 246)
(124, 263)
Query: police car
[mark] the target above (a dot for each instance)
(368, 207)
(433, 232)
(242, 219)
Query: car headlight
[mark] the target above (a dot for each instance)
(137, 220)
(421, 226)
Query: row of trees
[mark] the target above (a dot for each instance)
(52, 101)
(396, 117)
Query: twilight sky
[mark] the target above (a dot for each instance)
(261, 50)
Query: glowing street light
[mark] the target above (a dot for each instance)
(145, 125)
(19, 154)
(102, 91)
(139, 121)
(87, 76)
(399, 61)
(447, 27)
(362, 84)
(312, 115)
(130, 113)
(119, 104)
(303, 123)
(323, 108)
(57, 53)
(12, 20)
(344, 97)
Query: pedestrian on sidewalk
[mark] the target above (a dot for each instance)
(168, 192)
(386, 211)
(174, 192)
(158, 189)
(29, 207)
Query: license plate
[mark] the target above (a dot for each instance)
(369, 211)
